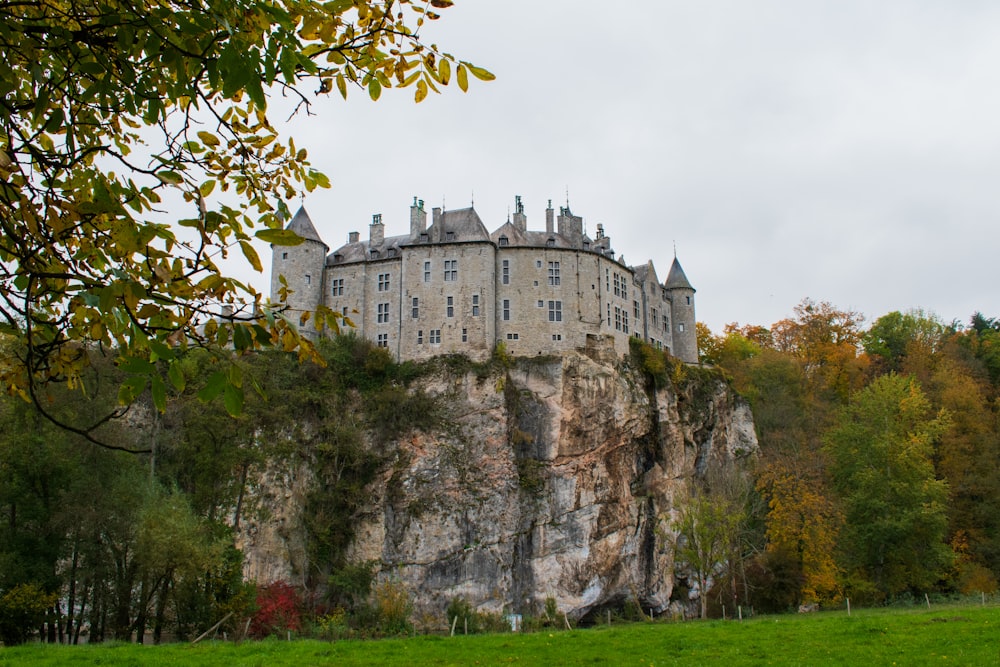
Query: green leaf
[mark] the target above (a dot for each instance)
(213, 387)
(136, 365)
(279, 236)
(170, 177)
(374, 88)
(233, 400)
(176, 375)
(159, 392)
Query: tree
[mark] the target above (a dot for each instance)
(895, 510)
(111, 111)
(708, 531)
(897, 335)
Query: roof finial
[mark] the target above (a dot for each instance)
(675, 248)
(567, 199)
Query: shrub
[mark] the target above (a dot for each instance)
(392, 607)
(279, 610)
(22, 609)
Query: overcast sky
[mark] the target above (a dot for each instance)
(847, 151)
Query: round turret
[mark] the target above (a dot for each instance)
(683, 331)
(302, 268)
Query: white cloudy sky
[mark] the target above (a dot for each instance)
(842, 150)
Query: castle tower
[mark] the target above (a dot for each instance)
(684, 334)
(302, 266)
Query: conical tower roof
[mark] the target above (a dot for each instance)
(676, 278)
(302, 225)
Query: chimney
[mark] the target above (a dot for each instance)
(520, 219)
(571, 226)
(437, 221)
(352, 237)
(376, 231)
(418, 219)
(550, 220)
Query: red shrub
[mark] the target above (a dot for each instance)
(279, 609)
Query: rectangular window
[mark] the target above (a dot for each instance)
(337, 287)
(450, 270)
(435, 337)
(652, 317)
(383, 340)
(512, 336)
(309, 279)
(625, 320)
(427, 271)
(383, 282)
(607, 281)
(420, 336)
(451, 306)
(553, 273)
(624, 289)
(416, 307)
(688, 300)
(609, 314)
(618, 318)
(538, 263)
(383, 313)
(555, 311)
(475, 305)
(541, 304)
(465, 335)
(556, 336)
(635, 310)
(506, 310)
(680, 327)
(284, 255)
(618, 289)
(505, 272)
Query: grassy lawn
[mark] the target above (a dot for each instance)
(945, 635)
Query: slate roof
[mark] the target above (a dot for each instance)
(676, 278)
(463, 224)
(302, 225)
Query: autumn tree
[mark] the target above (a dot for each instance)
(112, 112)
(711, 528)
(895, 510)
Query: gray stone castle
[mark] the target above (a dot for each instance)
(454, 287)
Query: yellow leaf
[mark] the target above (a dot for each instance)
(251, 255)
(480, 73)
(444, 71)
(374, 88)
(463, 78)
(208, 138)
(421, 91)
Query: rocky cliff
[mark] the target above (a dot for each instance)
(551, 477)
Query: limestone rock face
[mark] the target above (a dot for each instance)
(557, 477)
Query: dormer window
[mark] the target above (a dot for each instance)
(337, 257)
(424, 238)
(449, 236)
(550, 243)
(374, 254)
(586, 245)
(504, 240)
(391, 253)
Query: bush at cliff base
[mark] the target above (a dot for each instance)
(279, 610)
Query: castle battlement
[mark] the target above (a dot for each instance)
(454, 287)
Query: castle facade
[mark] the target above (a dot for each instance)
(454, 287)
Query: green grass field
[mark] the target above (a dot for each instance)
(945, 635)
